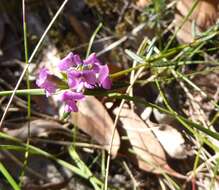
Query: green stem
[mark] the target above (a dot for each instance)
(126, 97)
(146, 64)
(34, 150)
(28, 95)
(182, 24)
(35, 92)
(92, 39)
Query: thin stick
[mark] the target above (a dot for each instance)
(117, 119)
(30, 60)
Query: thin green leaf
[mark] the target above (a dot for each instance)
(83, 167)
(92, 39)
(9, 178)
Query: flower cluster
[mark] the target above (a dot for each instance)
(80, 75)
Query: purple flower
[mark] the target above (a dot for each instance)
(70, 99)
(101, 70)
(92, 59)
(69, 61)
(81, 74)
(45, 81)
(80, 79)
(77, 60)
(103, 78)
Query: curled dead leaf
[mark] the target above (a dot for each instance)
(149, 153)
(204, 15)
(94, 120)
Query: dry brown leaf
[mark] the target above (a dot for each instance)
(38, 128)
(94, 120)
(143, 3)
(184, 35)
(150, 155)
(204, 15)
(171, 140)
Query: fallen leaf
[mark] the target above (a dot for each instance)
(149, 153)
(184, 35)
(94, 120)
(204, 15)
(143, 3)
(38, 128)
(171, 140)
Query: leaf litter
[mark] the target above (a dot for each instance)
(153, 143)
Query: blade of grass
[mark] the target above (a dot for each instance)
(80, 172)
(140, 51)
(83, 167)
(9, 178)
(35, 92)
(115, 95)
(92, 39)
(26, 155)
(197, 88)
(31, 58)
(191, 126)
(182, 24)
(166, 54)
